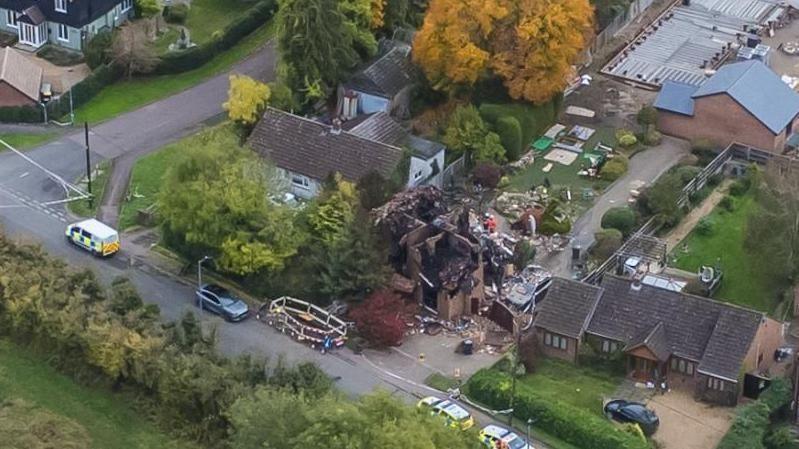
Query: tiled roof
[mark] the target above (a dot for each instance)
(382, 128)
(758, 90)
(676, 97)
(567, 307)
(20, 73)
(386, 76)
(315, 150)
(715, 334)
(79, 12)
(655, 339)
(33, 15)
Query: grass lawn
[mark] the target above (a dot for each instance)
(23, 141)
(205, 17)
(106, 418)
(565, 175)
(127, 95)
(742, 284)
(579, 386)
(145, 179)
(81, 207)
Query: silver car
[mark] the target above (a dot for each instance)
(221, 301)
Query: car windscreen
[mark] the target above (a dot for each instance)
(516, 443)
(227, 300)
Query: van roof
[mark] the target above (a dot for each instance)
(96, 228)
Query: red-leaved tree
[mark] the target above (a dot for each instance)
(379, 318)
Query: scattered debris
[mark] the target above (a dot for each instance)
(581, 112)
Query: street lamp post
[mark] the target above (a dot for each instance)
(529, 423)
(200, 281)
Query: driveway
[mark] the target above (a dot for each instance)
(688, 424)
(645, 167)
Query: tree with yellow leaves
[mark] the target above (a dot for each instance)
(534, 56)
(247, 99)
(529, 44)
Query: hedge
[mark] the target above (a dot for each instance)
(510, 134)
(195, 57)
(752, 420)
(621, 218)
(564, 421)
(534, 120)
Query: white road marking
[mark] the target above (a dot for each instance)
(24, 175)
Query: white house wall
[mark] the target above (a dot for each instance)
(421, 169)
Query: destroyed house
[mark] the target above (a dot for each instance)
(446, 268)
(690, 342)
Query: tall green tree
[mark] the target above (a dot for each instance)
(315, 41)
(468, 134)
(214, 200)
(772, 229)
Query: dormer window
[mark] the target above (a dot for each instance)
(61, 5)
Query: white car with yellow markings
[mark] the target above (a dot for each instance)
(99, 239)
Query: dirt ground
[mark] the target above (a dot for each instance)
(781, 62)
(688, 424)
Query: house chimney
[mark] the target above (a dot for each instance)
(336, 128)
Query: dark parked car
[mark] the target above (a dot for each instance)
(633, 412)
(221, 301)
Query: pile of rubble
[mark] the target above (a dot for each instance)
(524, 161)
(422, 203)
(513, 204)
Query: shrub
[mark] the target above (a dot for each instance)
(379, 319)
(727, 203)
(705, 227)
(607, 242)
(533, 120)
(626, 138)
(621, 218)
(96, 50)
(752, 420)
(739, 188)
(550, 226)
(487, 174)
(573, 425)
(176, 13)
(21, 114)
(687, 172)
(652, 137)
(614, 168)
(282, 98)
(523, 254)
(647, 116)
(510, 134)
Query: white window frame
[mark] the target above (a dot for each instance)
(126, 5)
(65, 29)
(715, 383)
(61, 5)
(556, 341)
(11, 19)
(300, 181)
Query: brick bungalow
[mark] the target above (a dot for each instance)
(692, 342)
(20, 79)
(743, 102)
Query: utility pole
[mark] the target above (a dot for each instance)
(200, 282)
(71, 109)
(88, 163)
(514, 370)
